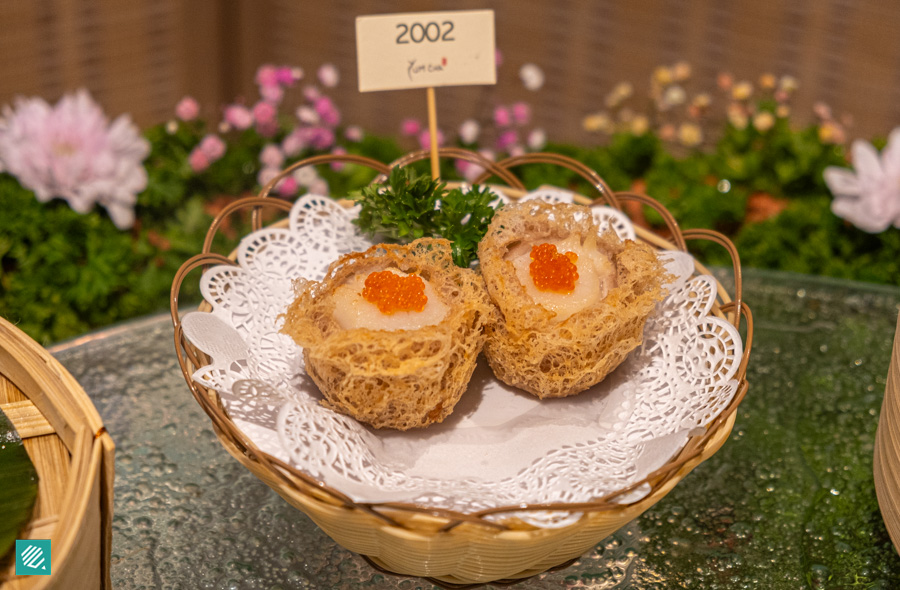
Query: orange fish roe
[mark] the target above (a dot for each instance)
(391, 292)
(552, 271)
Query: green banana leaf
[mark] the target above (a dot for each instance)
(18, 490)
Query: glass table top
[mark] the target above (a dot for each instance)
(788, 502)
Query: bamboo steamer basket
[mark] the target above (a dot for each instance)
(451, 548)
(73, 455)
(886, 463)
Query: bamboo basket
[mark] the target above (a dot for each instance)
(73, 456)
(451, 548)
(886, 463)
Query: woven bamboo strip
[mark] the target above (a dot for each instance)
(25, 417)
(74, 463)
(886, 459)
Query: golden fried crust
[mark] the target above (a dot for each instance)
(526, 348)
(393, 379)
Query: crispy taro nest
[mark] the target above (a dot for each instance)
(525, 347)
(393, 379)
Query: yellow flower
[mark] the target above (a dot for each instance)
(767, 81)
(737, 115)
(724, 80)
(667, 132)
(597, 122)
(662, 76)
(831, 132)
(702, 100)
(681, 71)
(788, 83)
(783, 111)
(640, 125)
(763, 121)
(690, 134)
(674, 96)
(619, 93)
(742, 90)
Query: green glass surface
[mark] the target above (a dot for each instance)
(787, 503)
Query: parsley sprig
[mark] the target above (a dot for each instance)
(411, 206)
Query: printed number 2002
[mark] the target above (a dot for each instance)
(417, 32)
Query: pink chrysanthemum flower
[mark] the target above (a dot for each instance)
(198, 160)
(295, 142)
(267, 75)
(425, 139)
(307, 115)
(266, 174)
(322, 138)
(410, 127)
(287, 187)
(329, 75)
(521, 113)
(502, 117)
(338, 166)
(238, 116)
(273, 94)
(354, 133)
(271, 156)
(213, 146)
(287, 76)
(507, 139)
(71, 151)
(266, 116)
(311, 93)
(187, 109)
(327, 111)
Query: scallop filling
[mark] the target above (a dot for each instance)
(387, 300)
(564, 276)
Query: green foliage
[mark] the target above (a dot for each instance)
(412, 206)
(808, 238)
(63, 273)
(778, 161)
(689, 189)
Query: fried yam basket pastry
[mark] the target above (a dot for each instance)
(530, 346)
(400, 378)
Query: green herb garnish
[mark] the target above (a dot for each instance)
(411, 206)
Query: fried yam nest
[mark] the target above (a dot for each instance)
(526, 347)
(398, 379)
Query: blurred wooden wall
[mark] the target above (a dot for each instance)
(141, 56)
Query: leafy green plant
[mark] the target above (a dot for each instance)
(411, 206)
(63, 273)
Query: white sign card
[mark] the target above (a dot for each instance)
(425, 49)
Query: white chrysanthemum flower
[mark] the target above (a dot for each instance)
(532, 76)
(537, 139)
(469, 131)
(870, 197)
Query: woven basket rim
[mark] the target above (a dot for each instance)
(409, 516)
(74, 420)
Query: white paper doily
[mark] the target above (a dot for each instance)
(500, 447)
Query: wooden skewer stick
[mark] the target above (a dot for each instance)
(432, 132)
